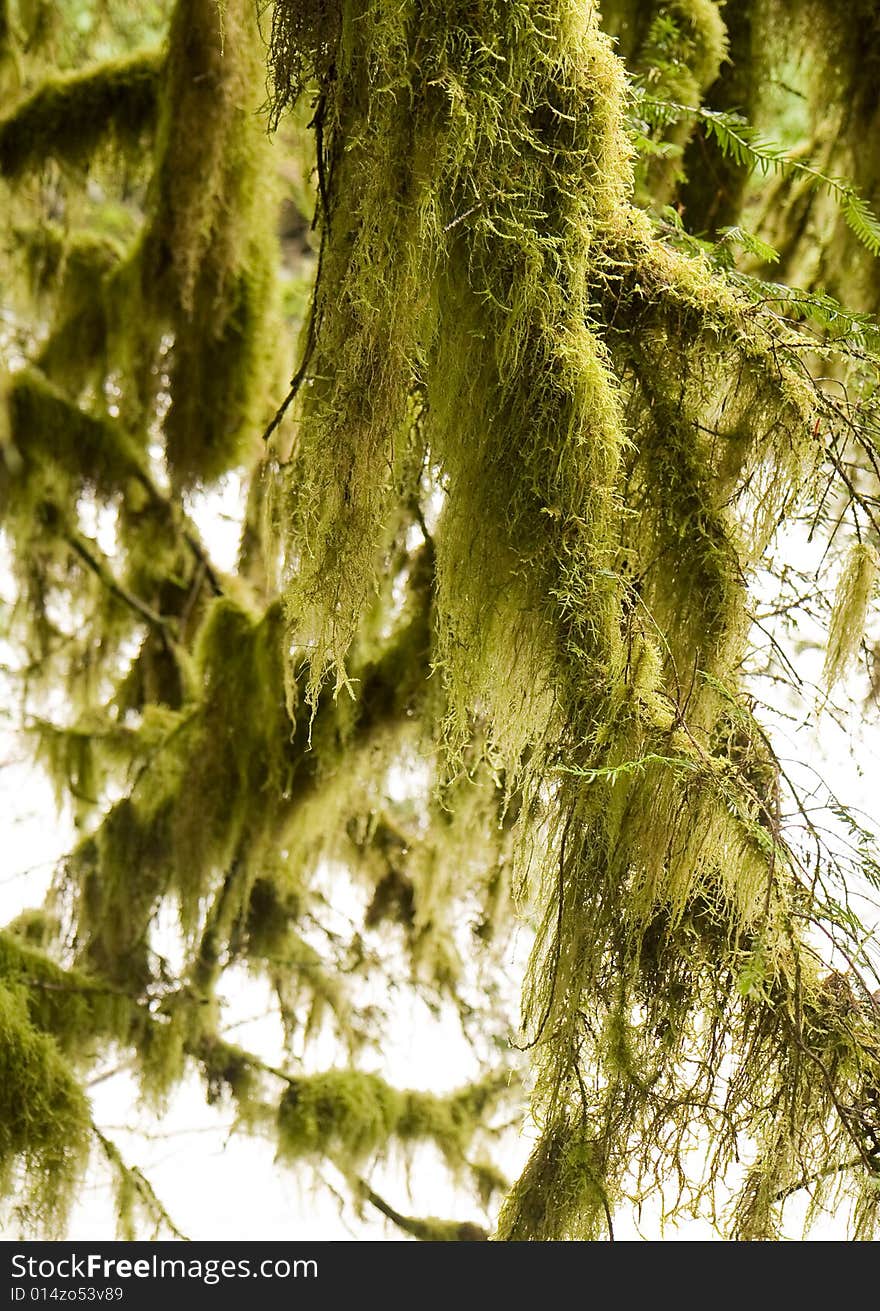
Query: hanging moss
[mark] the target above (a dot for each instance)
(67, 117)
(214, 229)
(530, 460)
(430, 1229)
(70, 263)
(847, 629)
(683, 48)
(44, 1118)
(222, 771)
(202, 270)
(616, 442)
(441, 139)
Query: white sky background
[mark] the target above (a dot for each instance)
(217, 1184)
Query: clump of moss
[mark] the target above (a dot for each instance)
(562, 1193)
(224, 771)
(49, 430)
(351, 1116)
(68, 116)
(202, 268)
(68, 264)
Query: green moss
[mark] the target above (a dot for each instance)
(195, 824)
(211, 244)
(71, 263)
(227, 1070)
(44, 1117)
(49, 429)
(79, 1011)
(115, 908)
(855, 591)
(351, 1116)
(417, 254)
(67, 117)
(202, 268)
(562, 1191)
(221, 366)
(428, 1229)
(616, 441)
(37, 928)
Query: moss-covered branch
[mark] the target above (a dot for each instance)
(134, 1192)
(427, 1230)
(352, 1116)
(68, 117)
(491, 616)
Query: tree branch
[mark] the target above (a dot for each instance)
(101, 571)
(427, 1230)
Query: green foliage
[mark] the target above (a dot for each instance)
(74, 1008)
(748, 148)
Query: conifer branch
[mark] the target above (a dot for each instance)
(751, 150)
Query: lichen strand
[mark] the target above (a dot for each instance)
(617, 436)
